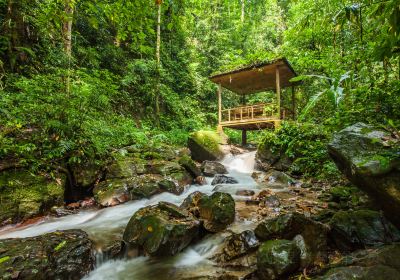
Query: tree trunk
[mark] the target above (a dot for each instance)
(242, 15)
(67, 37)
(67, 27)
(158, 35)
(158, 59)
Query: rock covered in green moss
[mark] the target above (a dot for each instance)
(205, 145)
(359, 229)
(310, 236)
(135, 178)
(190, 166)
(382, 263)
(217, 211)
(24, 195)
(370, 158)
(161, 230)
(277, 258)
(57, 255)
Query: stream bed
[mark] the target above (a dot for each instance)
(108, 224)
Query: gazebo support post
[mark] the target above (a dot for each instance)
(278, 91)
(219, 93)
(293, 103)
(244, 137)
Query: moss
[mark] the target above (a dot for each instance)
(208, 139)
(24, 195)
(60, 245)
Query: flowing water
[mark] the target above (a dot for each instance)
(108, 224)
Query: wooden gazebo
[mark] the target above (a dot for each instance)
(252, 79)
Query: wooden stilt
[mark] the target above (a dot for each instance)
(219, 92)
(244, 137)
(293, 103)
(278, 91)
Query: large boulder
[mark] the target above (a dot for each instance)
(216, 211)
(205, 145)
(277, 259)
(211, 168)
(370, 158)
(161, 230)
(135, 178)
(24, 195)
(310, 236)
(363, 228)
(382, 263)
(57, 255)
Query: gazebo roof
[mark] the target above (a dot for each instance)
(256, 78)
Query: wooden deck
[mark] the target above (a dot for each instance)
(251, 117)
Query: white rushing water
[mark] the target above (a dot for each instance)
(107, 224)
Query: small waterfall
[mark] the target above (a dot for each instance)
(108, 224)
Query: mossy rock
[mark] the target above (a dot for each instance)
(161, 230)
(116, 191)
(310, 236)
(277, 258)
(205, 145)
(57, 255)
(217, 211)
(370, 159)
(352, 230)
(127, 167)
(382, 263)
(24, 195)
(190, 166)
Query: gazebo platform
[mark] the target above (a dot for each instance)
(253, 79)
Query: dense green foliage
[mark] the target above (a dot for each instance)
(60, 108)
(305, 144)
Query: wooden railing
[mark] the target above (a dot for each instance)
(250, 113)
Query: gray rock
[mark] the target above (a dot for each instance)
(222, 179)
(370, 158)
(363, 228)
(313, 240)
(277, 258)
(211, 168)
(161, 230)
(57, 255)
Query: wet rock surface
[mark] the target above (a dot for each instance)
(372, 264)
(222, 179)
(58, 255)
(136, 176)
(237, 245)
(216, 211)
(352, 230)
(24, 196)
(277, 258)
(161, 230)
(211, 168)
(369, 157)
(310, 236)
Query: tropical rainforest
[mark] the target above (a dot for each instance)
(109, 102)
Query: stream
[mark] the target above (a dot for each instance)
(108, 224)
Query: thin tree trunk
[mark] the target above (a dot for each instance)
(158, 59)
(242, 15)
(67, 36)
(67, 27)
(158, 34)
